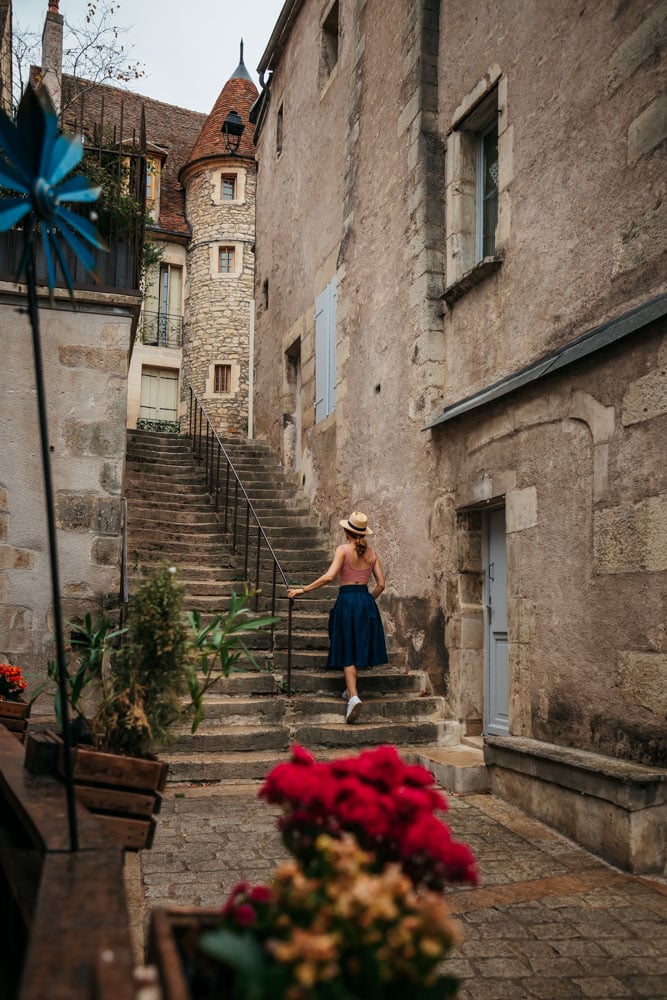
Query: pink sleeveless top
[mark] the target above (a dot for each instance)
(348, 574)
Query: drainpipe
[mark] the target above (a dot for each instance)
(251, 371)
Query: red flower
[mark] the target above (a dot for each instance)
(244, 915)
(260, 894)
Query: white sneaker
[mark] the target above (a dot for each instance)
(353, 709)
(345, 695)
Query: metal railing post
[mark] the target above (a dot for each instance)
(197, 412)
(257, 561)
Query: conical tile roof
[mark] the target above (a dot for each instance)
(238, 94)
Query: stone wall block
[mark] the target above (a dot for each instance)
(645, 43)
(472, 632)
(108, 516)
(113, 362)
(15, 628)
(106, 551)
(544, 409)
(648, 130)
(491, 430)
(521, 509)
(3, 527)
(599, 418)
(13, 558)
(646, 398)
(641, 679)
(469, 542)
(94, 438)
(631, 537)
(3, 499)
(74, 511)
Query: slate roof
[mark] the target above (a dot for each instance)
(238, 94)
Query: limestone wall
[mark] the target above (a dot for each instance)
(85, 368)
(576, 460)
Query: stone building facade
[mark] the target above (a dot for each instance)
(482, 222)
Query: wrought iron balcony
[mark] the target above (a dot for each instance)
(161, 329)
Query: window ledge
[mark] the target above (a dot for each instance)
(475, 276)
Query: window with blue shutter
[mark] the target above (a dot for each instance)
(325, 352)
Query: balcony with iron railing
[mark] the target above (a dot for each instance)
(157, 329)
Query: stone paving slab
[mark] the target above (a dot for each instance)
(548, 921)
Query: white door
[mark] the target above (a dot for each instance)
(496, 702)
(159, 393)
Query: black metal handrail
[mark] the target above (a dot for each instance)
(160, 329)
(209, 449)
(124, 593)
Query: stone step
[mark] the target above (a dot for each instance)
(221, 739)
(375, 682)
(464, 774)
(342, 735)
(275, 709)
(460, 769)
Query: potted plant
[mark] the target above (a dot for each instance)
(14, 709)
(144, 679)
(359, 912)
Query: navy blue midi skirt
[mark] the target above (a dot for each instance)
(356, 635)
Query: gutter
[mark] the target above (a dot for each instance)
(589, 343)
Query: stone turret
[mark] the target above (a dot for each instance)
(219, 182)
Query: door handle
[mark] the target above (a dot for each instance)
(491, 569)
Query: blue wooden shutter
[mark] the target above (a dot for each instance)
(321, 356)
(331, 382)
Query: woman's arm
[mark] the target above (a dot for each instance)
(328, 577)
(378, 576)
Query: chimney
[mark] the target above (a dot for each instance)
(52, 54)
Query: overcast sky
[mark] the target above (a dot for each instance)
(189, 48)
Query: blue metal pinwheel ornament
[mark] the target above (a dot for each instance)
(34, 160)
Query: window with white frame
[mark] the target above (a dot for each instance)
(226, 260)
(222, 379)
(325, 352)
(228, 187)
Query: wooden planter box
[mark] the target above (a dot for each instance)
(124, 792)
(14, 715)
(173, 933)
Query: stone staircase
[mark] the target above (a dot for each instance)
(249, 722)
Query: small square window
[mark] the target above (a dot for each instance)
(226, 257)
(222, 379)
(228, 187)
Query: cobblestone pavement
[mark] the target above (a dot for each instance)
(548, 921)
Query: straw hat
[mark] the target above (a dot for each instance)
(357, 523)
